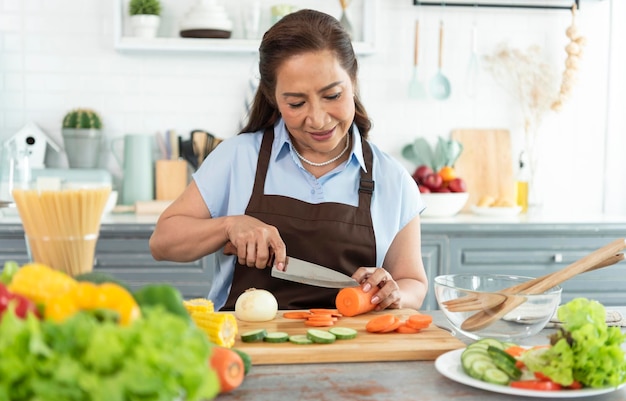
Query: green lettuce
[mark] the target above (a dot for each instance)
(584, 350)
(159, 357)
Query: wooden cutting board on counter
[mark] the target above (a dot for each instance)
(486, 163)
(428, 344)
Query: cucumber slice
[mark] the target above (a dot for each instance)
(276, 337)
(504, 362)
(343, 333)
(320, 336)
(496, 376)
(491, 342)
(253, 335)
(467, 361)
(300, 339)
(479, 367)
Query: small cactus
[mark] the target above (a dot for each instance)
(82, 118)
(136, 7)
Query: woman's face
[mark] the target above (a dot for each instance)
(315, 97)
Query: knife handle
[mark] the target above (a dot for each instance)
(229, 249)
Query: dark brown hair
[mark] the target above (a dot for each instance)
(300, 32)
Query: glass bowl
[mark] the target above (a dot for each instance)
(524, 321)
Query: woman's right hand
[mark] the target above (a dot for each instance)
(257, 244)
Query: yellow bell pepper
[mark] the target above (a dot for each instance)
(90, 296)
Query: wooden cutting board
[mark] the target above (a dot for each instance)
(428, 344)
(485, 164)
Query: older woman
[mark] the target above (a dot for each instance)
(301, 179)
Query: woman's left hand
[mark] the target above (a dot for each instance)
(388, 295)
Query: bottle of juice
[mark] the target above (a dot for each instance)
(522, 183)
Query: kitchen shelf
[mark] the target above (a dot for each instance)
(364, 46)
(535, 4)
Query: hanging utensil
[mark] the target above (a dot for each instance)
(344, 21)
(473, 67)
(439, 84)
(416, 87)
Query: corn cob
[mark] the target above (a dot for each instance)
(198, 305)
(221, 328)
(40, 283)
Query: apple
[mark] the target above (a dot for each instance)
(433, 181)
(424, 189)
(457, 185)
(442, 189)
(421, 172)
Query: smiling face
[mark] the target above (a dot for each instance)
(315, 97)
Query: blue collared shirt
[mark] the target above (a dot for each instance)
(226, 177)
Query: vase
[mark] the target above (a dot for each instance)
(145, 25)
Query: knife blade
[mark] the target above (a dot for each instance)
(301, 271)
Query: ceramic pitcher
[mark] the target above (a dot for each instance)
(137, 165)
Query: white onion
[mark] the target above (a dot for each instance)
(255, 305)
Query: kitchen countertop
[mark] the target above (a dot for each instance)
(374, 381)
(10, 216)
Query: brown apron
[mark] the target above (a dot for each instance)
(330, 234)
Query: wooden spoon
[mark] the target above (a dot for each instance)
(484, 318)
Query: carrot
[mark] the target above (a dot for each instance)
(397, 323)
(229, 368)
(419, 321)
(296, 315)
(319, 323)
(515, 350)
(380, 323)
(353, 301)
(406, 329)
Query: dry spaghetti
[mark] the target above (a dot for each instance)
(62, 227)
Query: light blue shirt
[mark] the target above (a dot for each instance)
(226, 177)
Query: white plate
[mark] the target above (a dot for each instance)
(496, 210)
(449, 365)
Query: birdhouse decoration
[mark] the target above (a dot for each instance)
(32, 141)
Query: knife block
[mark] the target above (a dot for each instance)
(171, 178)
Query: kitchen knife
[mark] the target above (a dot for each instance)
(305, 272)
(301, 271)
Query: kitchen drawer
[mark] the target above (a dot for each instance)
(434, 256)
(536, 256)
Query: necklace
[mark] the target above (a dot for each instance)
(307, 161)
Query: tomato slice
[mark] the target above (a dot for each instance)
(542, 385)
(541, 376)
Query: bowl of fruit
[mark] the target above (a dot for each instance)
(443, 192)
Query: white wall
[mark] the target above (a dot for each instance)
(58, 54)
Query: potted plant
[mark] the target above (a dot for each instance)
(145, 17)
(82, 137)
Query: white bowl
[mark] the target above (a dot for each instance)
(443, 204)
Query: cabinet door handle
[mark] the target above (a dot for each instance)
(558, 257)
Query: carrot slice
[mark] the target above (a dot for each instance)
(322, 311)
(296, 315)
(322, 317)
(406, 329)
(419, 321)
(380, 323)
(393, 326)
(319, 323)
(353, 301)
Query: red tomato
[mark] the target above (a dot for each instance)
(542, 385)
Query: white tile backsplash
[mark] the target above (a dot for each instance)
(59, 54)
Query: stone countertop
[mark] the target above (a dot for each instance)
(373, 381)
